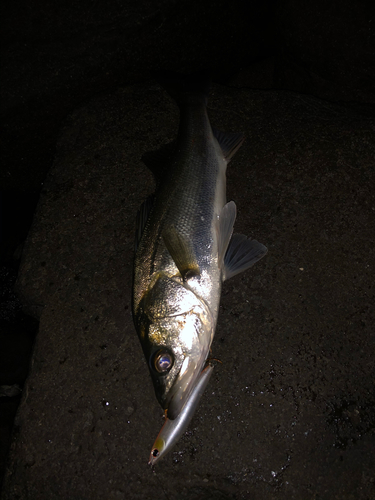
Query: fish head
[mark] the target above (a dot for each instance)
(176, 333)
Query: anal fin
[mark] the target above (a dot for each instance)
(142, 217)
(242, 253)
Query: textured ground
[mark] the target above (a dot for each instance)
(290, 412)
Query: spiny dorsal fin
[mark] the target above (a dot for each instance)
(181, 252)
(229, 142)
(242, 253)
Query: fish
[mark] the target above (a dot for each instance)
(185, 247)
(172, 430)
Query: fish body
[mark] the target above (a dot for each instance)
(185, 248)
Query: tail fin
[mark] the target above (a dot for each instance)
(182, 87)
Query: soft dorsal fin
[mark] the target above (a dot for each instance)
(157, 160)
(142, 217)
(225, 229)
(242, 253)
(182, 252)
(229, 142)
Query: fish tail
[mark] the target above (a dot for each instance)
(183, 87)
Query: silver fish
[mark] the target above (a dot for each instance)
(172, 430)
(185, 248)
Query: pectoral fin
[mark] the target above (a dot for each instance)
(242, 253)
(182, 253)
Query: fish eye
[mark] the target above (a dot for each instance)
(163, 361)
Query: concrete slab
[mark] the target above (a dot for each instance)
(290, 413)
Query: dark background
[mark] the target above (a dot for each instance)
(55, 57)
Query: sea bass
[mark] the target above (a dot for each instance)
(185, 248)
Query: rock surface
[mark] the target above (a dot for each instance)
(289, 413)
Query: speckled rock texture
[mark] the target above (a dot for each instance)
(289, 414)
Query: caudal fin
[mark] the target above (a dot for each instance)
(182, 87)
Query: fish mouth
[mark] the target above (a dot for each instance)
(182, 387)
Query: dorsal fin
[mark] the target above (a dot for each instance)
(229, 142)
(242, 253)
(181, 252)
